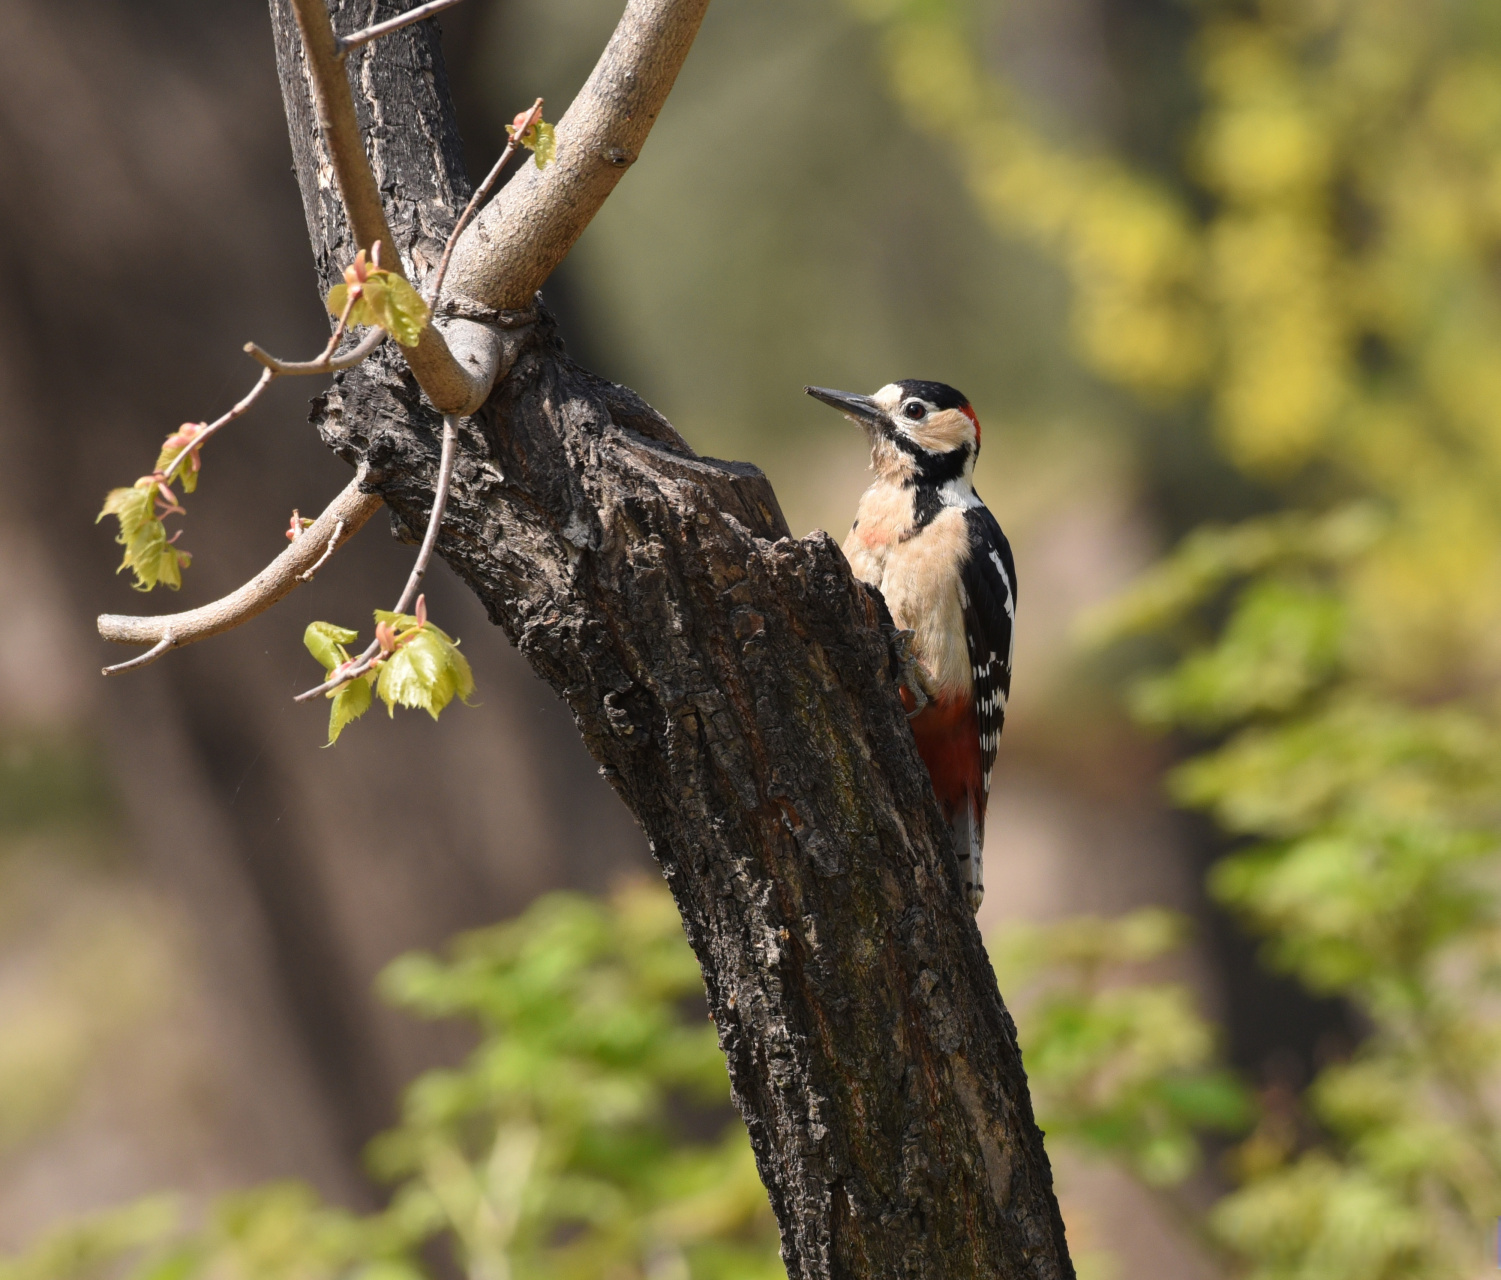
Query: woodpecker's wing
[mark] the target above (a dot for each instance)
(989, 579)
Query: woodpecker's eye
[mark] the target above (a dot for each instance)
(914, 409)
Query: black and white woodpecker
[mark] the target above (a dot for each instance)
(926, 541)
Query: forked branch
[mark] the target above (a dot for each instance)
(326, 363)
(272, 368)
(451, 386)
(498, 262)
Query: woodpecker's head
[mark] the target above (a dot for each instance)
(920, 432)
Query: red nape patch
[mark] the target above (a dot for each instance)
(970, 414)
(948, 740)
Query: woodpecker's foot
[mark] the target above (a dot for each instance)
(908, 671)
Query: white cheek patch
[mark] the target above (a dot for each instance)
(941, 431)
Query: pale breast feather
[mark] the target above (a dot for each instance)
(989, 579)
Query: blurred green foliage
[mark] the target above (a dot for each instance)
(1122, 1065)
(589, 1135)
(1315, 276)
(566, 1144)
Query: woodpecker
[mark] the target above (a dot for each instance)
(924, 539)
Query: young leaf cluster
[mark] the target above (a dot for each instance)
(418, 665)
(369, 296)
(373, 296)
(560, 1150)
(536, 135)
(150, 554)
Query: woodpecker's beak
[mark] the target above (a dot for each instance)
(862, 409)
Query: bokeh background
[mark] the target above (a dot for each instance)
(1193, 262)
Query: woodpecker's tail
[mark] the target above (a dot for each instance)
(969, 835)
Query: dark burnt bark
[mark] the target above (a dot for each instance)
(733, 684)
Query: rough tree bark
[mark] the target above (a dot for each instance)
(734, 686)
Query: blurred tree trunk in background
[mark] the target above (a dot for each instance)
(151, 227)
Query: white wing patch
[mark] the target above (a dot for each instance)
(995, 559)
(989, 621)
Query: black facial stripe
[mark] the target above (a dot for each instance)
(926, 504)
(933, 471)
(932, 468)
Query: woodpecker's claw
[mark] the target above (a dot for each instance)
(909, 672)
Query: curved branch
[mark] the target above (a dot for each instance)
(171, 631)
(517, 241)
(443, 376)
(323, 364)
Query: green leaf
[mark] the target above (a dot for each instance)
(167, 569)
(544, 144)
(349, 703)
(426, 671)
(361, 314)
(148, 554)
(338, 298)
(133, 507)
(325, 642)
(1282, 642)
(397, 307)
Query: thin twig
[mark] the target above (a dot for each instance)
(274, 368)
(440, 500)
(213, 428)
(166, 642)
(478, 197)
(267, 375)
(366, 34)
(352, 507)
(362, 664)
(327, 353)
(333, 545)
(324, 364)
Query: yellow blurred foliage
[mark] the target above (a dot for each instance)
(1320, 275)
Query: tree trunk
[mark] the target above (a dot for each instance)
(734, 686)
